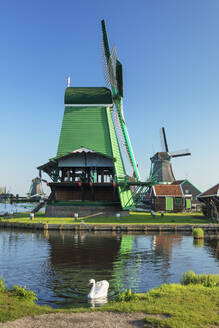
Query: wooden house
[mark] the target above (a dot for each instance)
(190, 193)
(165, 197)
(210, 198)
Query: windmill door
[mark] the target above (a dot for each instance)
(169, 203)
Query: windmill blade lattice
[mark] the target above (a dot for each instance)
(113, 76)
(114, 58)
(120, 135)
(105, 68)
(110, 79)
(109, 67)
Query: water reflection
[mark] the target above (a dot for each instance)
(198, 242)
(58, 265)
(212, 246)
(79, 257)
(98, 302)
(144, 261)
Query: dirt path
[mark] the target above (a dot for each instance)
(80, 320)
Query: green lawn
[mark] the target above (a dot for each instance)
(178, 306)
(170, 306)
(134, 218)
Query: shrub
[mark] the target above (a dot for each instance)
(2, 286)
(126, 296)
(23, 293)
(206, 280)
(198, 233)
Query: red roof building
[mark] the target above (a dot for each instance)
(167, 190)
(167, 197)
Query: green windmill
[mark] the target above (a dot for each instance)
(88, 173)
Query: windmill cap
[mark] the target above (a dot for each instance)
(88, 96)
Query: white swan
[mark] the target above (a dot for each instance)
(99, 289)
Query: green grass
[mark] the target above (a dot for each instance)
(134, 218)
(206, 280)
(19, 302)
(176, 306)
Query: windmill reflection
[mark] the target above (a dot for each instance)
(76, 258)
(143, 256)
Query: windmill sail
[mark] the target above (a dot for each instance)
(119, 78)
(179, 153)
(113, 74)
(164, 140)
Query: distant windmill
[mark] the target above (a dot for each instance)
(161, 167)
(36, 188)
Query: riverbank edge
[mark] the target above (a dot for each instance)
(163, 306)
(110, 227)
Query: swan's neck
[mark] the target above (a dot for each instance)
(92, 289)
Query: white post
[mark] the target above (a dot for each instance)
(76, 216)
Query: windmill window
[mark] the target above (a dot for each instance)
(187, 191)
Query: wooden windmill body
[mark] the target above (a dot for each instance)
(161, 164)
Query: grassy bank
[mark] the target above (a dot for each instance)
(175, 306)
(134, 218)
(194, 303)
(18, 302)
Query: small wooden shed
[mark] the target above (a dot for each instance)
(211, 200)
(167, 197)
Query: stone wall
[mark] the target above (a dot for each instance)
(84, 211)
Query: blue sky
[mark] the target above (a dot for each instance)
(169, 50)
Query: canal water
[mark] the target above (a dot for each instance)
(58, 265)
(17, 208)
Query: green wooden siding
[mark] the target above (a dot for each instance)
(169, 203)
(84, 127)
(93, 128)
